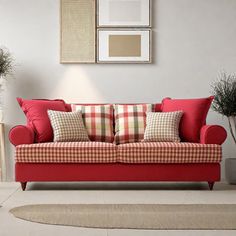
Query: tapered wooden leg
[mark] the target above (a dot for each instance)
(211, 185)
(23, 185)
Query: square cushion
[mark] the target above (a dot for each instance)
(162, 126)
(130, 122)
(37, 117)
(68, 126)
(194, 117)
(98, 120)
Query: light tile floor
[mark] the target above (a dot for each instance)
(11, 196)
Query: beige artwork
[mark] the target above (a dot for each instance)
(124, 45)
(78, 31)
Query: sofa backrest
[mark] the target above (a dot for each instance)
(92, 132)
(183, 104)
(157, 106)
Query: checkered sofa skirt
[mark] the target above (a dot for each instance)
(67, 152)
(98, 152)
(169, 152)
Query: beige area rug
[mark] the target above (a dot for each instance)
(132, 216)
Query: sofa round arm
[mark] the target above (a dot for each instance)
(21, 134)
(213, 134)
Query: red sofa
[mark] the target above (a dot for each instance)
(93, 161)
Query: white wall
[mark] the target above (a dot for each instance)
(193, 41)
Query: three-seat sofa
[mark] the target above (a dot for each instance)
(100, 161)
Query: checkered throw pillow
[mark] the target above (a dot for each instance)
(162, 127)
(67, 126)
(98, 120)
(130, 122)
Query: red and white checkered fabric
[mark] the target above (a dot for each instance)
(169, 152)
(130, 122)
(67, 152)
(98, 120)
(98, 152)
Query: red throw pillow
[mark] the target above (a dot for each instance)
(194, 117)
(37, 117)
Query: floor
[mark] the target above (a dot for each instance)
(11, 195)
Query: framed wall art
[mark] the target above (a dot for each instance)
(123, 13)
(78, 31)
(105, 31)
(124, 46)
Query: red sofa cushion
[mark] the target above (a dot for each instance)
(194, 117)
(169, 152)
(37, 117)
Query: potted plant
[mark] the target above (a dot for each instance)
(224, 91)
(6, 68)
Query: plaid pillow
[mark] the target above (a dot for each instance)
(130, 122)
(162, 127)
(67, 126)
(98, 120)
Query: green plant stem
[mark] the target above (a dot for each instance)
(231, 128)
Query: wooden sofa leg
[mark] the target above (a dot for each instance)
(23, 185)
(211, 185)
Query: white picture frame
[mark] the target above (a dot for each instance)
(111, 43)
(123, 13)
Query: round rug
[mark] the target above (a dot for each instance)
(132, 216)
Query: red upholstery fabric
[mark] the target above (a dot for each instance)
(67, 152)
(194, 117)
(157, 107)
(164, 152)
(213, 134)
(37, 117)
(68, 107)
(21, 134)
(117, 172)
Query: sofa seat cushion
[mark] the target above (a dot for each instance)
(169, 152)
(67, 152)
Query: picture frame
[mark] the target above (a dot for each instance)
(123, 13)
(77, 31)
(124, 46)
